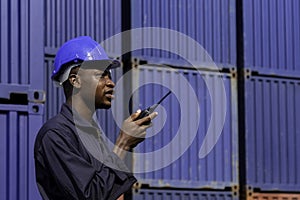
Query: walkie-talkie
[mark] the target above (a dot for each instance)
(150, 109)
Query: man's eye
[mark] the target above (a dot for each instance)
(106, 73)
(103, 74)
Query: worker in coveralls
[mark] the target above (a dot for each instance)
(72, 159)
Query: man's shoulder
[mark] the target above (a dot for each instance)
(61, 121)
(58, 126)
(58, 122)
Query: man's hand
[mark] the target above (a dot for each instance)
(132, 133)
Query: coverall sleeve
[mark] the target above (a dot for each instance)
(77, 177)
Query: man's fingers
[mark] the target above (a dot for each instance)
(135, 115)
(147, 119)
(153, 115)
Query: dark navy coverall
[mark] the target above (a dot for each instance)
(66, 169)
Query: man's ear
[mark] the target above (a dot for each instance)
(75, 80)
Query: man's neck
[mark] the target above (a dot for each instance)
(84, 110)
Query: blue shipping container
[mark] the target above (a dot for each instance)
(21, 42)
(99, 19)
(211, 23)
(272, 133)
(218, 169)
(148, 194)
(272, 36)
(21, 95)
(54, 95)
(19, 124)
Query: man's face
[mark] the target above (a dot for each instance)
(97, 87)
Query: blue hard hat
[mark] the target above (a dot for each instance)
(79, 50)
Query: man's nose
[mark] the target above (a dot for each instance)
(110, 83)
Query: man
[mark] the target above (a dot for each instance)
(71, 159)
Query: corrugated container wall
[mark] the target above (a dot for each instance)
(21, 95)
(16, 151)
(146, 194)
(211, 23)
(99, 19)
(272, 133)
(272, 36)
(54, 94)
(21, 42)
(219, 168)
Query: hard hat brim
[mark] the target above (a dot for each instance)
(103, 65)
(100, 64)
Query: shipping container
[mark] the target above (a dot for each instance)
(19, 124)
(68, 19)
(54, 94)
(21, 43)
(161, 194)
(170, 156)
(272, 36)
(21, 95)
(209, 23)
(273, 196)
(272, 133)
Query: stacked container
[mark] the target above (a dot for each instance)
(181, 194)
(21, 96)
(68, 19)
(272, 86)
(188, 47)
(211, 24)
(193, 54)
